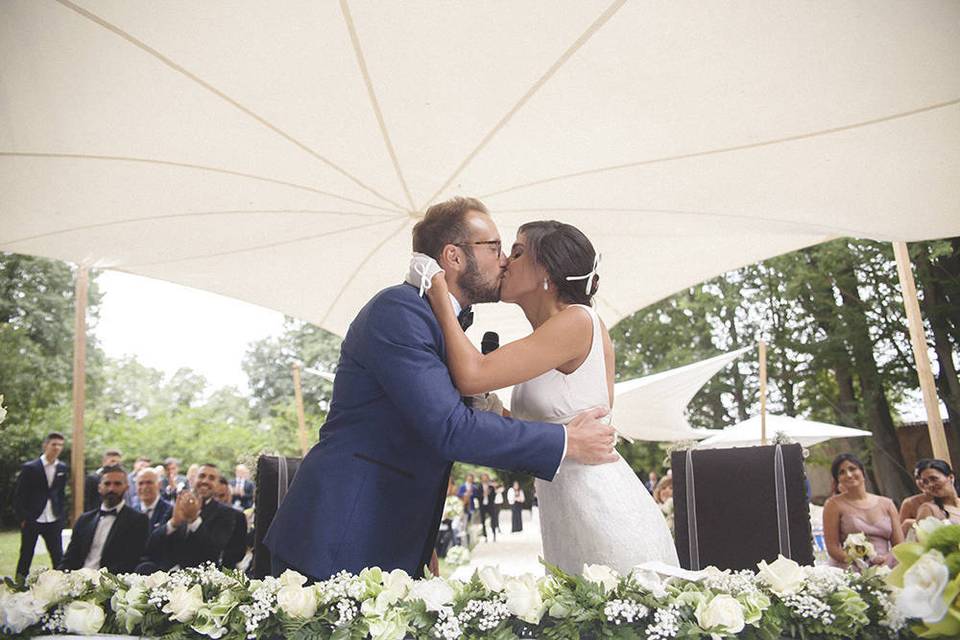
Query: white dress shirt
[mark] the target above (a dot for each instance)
(49, 468)
(148, 508)
(104, 525)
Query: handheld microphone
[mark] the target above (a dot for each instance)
(490, 342)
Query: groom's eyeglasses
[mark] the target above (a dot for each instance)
(494, 245)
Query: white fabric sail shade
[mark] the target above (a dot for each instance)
(280, 154)
(805, 432)
(654, 407)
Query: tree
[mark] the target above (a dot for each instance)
(36, 357)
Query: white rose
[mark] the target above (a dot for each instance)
(297, 602)
(601, 574)
(392, 626)
(923, 586)
(435, 593)
(86, 576)
(492, 579)
(927, 526)
(291, 578)
(19, 611)
(784, 576)
(156, 579)
(523, 598)
(397, 583)
(209, 625)
(649, 580)
(3, 411)
(723, 613)
(184, 603)
(50, 587)
(82, 617)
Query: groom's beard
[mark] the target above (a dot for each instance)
(475, 286)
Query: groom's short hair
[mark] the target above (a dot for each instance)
(443, 224)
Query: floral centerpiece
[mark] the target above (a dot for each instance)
(782, 599)
(928, 577)
(452, 508)
(458, 555)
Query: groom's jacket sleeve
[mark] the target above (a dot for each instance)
(405, 355)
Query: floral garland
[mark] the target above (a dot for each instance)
(782, 599)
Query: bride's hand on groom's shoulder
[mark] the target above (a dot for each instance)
(590, 441)
(438, 287)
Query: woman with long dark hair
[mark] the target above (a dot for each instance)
(598, 514)
(853, 509)
(937, 478)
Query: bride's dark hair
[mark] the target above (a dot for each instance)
(563, 251)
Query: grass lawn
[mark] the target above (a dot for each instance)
(10, 551)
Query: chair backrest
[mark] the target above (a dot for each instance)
(750, 505)
(274, 476)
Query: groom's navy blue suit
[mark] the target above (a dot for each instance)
(371, 492)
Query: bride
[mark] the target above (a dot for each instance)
(588, 514)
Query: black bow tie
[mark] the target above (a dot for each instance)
(465, 318)
(111, 512)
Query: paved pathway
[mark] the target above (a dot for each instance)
(513, 553)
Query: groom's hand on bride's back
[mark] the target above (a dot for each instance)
(590, 441)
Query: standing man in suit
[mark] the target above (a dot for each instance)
(113, 535)
(371, 492)
(39, 502)
(487, 495)
(197, 532)
(91, 491)
(242, 488)
(157, 509)
(237, 546)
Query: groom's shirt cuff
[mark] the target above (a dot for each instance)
(564, 456)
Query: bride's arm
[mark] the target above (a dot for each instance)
(563, 338)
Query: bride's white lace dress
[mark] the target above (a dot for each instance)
(596, 514)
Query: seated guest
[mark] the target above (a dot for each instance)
(237, 546)
(112, 536)
(908, 508)
(172, 483)
(197, 532)
(853, 510)
(157, 509)
(91, 495)
(937, 478)
(141, 463)
(242, 488)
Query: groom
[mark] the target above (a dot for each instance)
(371, 491)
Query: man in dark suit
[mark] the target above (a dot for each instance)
(91, 484)
(487, 495)
(197, 532)
(237, 546)
(242, 488)
(112, 536)
(39, 503)
(371, 492)
(149, 501)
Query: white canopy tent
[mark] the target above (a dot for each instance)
(805, 432)
(281, 154)
(654, 407)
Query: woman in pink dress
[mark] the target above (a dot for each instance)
(854, 510)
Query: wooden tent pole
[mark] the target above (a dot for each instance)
(763, 393)
(301, 419)
(79, 387)
(921, 356)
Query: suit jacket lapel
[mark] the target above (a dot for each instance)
(38, 464)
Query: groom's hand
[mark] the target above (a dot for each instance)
(590, 441)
